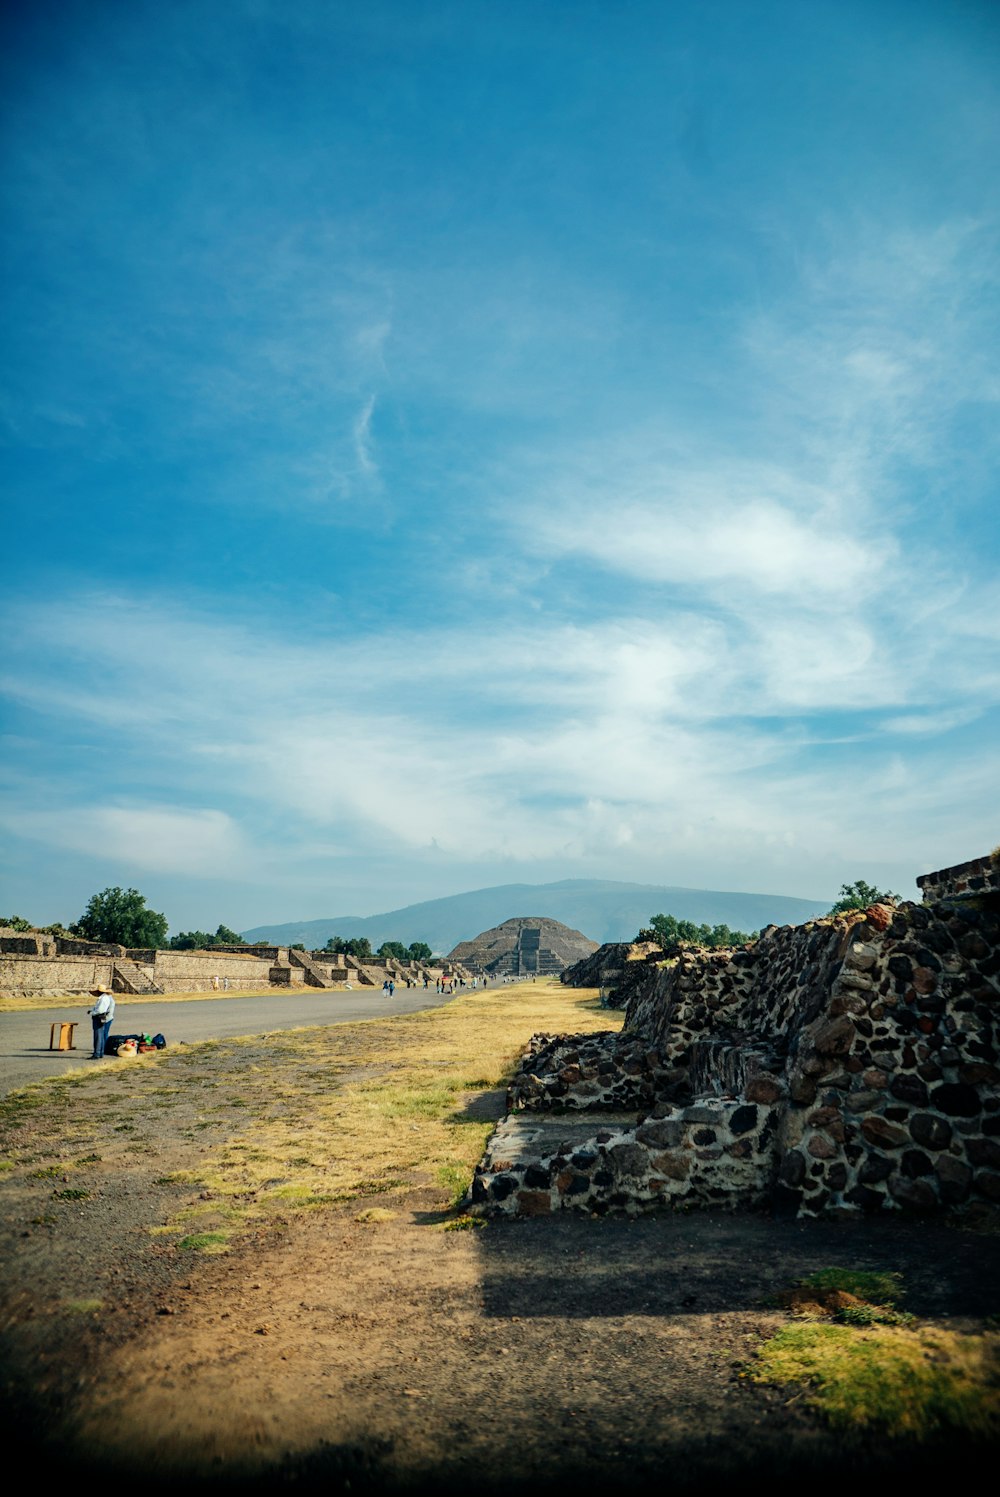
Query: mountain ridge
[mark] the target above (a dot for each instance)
(603, 909)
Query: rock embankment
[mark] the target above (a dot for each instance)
(844, 1066)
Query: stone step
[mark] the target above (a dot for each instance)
(133, 979)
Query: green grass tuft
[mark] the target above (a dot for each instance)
(454, 1178)
(205, 1242)
(918, 1383)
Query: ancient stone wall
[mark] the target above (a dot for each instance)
(715, 1153)
(604, 1070)
(169, 971)
(978, 876)
(618, 969)
(849, 1065)
(53, 977)
(193, 971)
(22, 946)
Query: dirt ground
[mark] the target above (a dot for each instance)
(364, 1347)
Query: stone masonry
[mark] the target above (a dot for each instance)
(617, 969)
(844, 1066)
(36, 964)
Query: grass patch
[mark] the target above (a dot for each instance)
(463, 1224)
(73, 1193)
(852, 1296)
(324, 1116)
(454, 1178)
(82, 1306)
(205, 1242)
(372, 1215)
(904, 1382)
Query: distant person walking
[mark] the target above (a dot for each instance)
(101, 1016)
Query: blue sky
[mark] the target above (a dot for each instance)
(452, 444)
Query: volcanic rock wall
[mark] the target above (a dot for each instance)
(618, 969)
(848, 1065)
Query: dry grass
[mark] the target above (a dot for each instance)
(262, 1127)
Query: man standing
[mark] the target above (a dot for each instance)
(101, 1015)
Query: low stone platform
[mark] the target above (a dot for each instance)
(717, 1152)
(521, 1138)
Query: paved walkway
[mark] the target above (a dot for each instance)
(24, 1037)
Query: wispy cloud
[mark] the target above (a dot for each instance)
(363, 441)
(624, 739)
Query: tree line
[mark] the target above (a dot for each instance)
(122, 917)
(672, 934)
(361, 948)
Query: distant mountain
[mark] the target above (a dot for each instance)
(602, 910)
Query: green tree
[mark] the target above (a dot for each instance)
(356, 946)
(16, 922)
(200, 940)
(672, 934)
(419, 951)
(859, 895)
(191, 940)
(393, 948)
(121, 915)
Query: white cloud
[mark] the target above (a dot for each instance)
(700, 534)
(160, 839)
(363, 443)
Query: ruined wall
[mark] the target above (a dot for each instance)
(52, 977)
(192, 971)
(618, 969)
(894, 1090)
(603, 1070)
(715, 1153)
(171, 971)
(978, 876)
(844, 1066)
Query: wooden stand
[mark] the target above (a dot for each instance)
(65, 1037)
